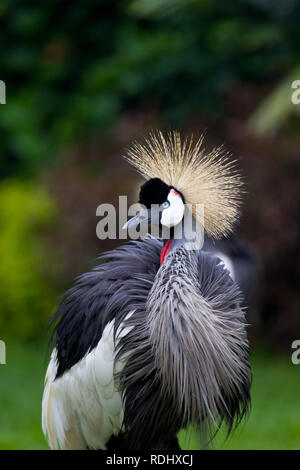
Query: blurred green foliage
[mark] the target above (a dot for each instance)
(71, 68)
(276, 107)
(26, 295)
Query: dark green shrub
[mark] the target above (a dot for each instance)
(26, 295)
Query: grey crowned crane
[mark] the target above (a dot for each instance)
(154, 338)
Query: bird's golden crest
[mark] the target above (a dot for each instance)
(206, 180)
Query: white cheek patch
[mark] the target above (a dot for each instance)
(174, 213)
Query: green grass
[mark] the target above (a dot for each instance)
(21, 385)
(274, 422)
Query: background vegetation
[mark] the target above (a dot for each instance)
(82, 81)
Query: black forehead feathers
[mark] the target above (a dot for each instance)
(154, 191)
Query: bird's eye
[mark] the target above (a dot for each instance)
(165, 204)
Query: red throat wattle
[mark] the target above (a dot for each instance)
(165, 251)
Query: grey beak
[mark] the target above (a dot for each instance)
(142, 218)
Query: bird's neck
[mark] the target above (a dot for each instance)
(187, 234)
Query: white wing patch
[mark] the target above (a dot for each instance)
(83, 408)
